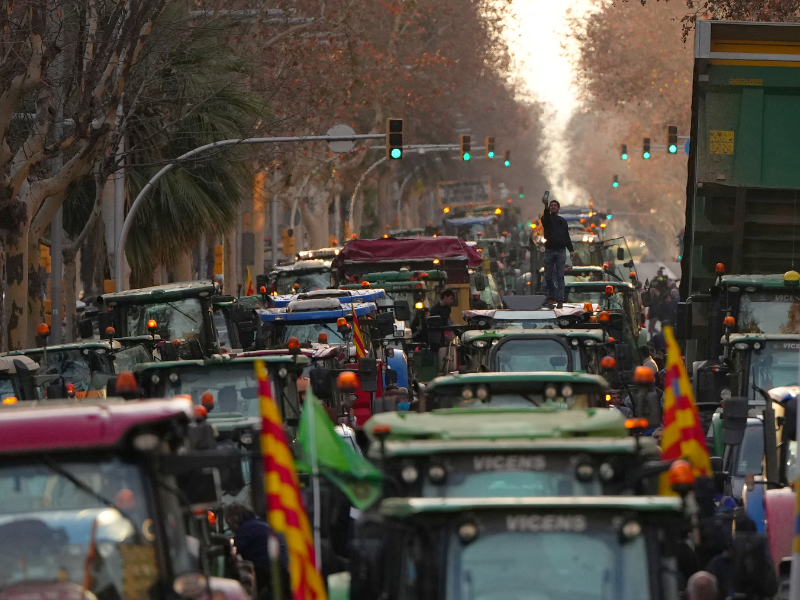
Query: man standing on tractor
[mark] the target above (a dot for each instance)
(557, 242)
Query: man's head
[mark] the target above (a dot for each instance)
(236, 514)
(554, 207)
(644, 351)
(448, 297)
(702, 586)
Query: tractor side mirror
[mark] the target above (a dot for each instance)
(734, 420)
(86, 329)
(368, 374)
(620, 254)
(401, 311)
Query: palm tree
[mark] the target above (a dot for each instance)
(199, 96)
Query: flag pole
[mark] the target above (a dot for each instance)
(794, 578)
(310, 405)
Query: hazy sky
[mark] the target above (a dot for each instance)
(536, 37)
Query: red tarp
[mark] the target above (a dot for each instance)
(410, 249)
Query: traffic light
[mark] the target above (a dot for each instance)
(288, 242)
(521, 192)
(465, 147)
(394, 139)
(672, 139)
(624, 154)
(489, 147)
(507, 158)
(218, 253)
(608, 216)
(646, 148)
(615, 183)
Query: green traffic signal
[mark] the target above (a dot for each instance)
(507, 163)
(646, 155)
(615, 184)
(624, 156)
(397, 153)
(466, 156)
(672, 148)
(491, 154)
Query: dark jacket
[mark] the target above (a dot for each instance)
(251, 540)
(441, 310)
(556, 231)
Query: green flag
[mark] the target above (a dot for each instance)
(337, 461)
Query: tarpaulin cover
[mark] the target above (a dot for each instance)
(410, 249)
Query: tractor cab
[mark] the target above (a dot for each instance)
(548, 391)
(522, 453)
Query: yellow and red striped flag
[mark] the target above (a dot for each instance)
(285, 510)
(358, 336)
(683, 435)
(249, 290)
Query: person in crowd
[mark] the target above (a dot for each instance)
(251, 537)
(556, 234)
(443, 307)
(647, 360)
(702, 586)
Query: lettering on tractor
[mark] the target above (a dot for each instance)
(546, 523)
(509, 463)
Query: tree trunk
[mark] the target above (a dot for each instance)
(37, 291)
(315, 219)
(16, 247)
(183, 271)
(70, 296)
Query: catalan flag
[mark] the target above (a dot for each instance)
(358, 337)
(249, 290)
(286, 512)
(683, 436)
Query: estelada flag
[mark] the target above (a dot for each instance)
(358, 337)
(683, 435)
(249, 290)
(285, 510)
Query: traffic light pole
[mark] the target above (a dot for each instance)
(137, 203)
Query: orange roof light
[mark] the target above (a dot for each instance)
(486, 214)
(681, 477)
(207, 399)
(603, 225)
(609, 288)
(608, 362)
(632, 275)
(70, 390)
(720, 268)
(365, 284)
(212, 518)
(341, 322)
(110, 331)
(446, 210)
(604, 317)
(381, 430)
(498, 211)
(505, 233)
(347, 381)
(262, 290)
(605, 266)
(636, 423)
(729, 321)
(293, 344)
(295, 286)
(509, 200)
(152, 325)
(9, 400)
(200, 413)
(436, 261)
(176, 342)
(386, 236)
(354, 237)
(322, 338)
(611, 340)
(643, 375)
(587, 306)
(43, 329)
(126, 383)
